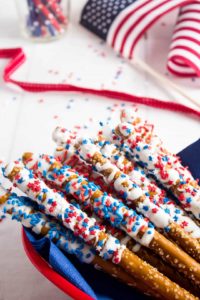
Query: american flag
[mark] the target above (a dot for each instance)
(121, 23)
(184, 54)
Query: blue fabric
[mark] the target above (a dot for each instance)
(50, 252)
(98, 284)
(190, 157)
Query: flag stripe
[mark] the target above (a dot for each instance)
(191, 6)
(190, 11)
(188, 19)
(184, 54)
(139, 25)
(120, 28)
(176, 70)
(180, 53)
(189, 15)
(179, 67)
(192, 30)
(184, 34)
(186, 43)
(192, 52)
(188, 25)
(122, 18)
(129, 26)
(149, 25)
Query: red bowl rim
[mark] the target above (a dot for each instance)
(43, 267)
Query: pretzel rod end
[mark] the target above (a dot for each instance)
(12, 169)
(58, 135)
(55, 135)
(4, 198)
(27, 156)
(130, 115)
(4, 195)
(14, 172)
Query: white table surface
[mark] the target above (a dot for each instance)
(27, 120)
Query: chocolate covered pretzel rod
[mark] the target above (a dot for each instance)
(68, 156)
(135, 195)
(23, 210)
(108, 247)
(129, 116)
(165, 166)
(143, 129)
(116, 213)
(81, 167)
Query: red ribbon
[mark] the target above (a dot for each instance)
(18, 57)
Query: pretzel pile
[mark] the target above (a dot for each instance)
(109, 208)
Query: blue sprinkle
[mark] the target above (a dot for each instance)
(134, 228)
(100, 243)
(145, 207)
(116, 157)
(44, 173)
(167, 229)
(150, 225)
(165, 158)
(175, 218)
(137, 148)
(189, 200)
(20, 180)
(110, 251)
(167, 210)
(165, 200)
(125, 195)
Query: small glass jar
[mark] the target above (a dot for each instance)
(43, 20)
